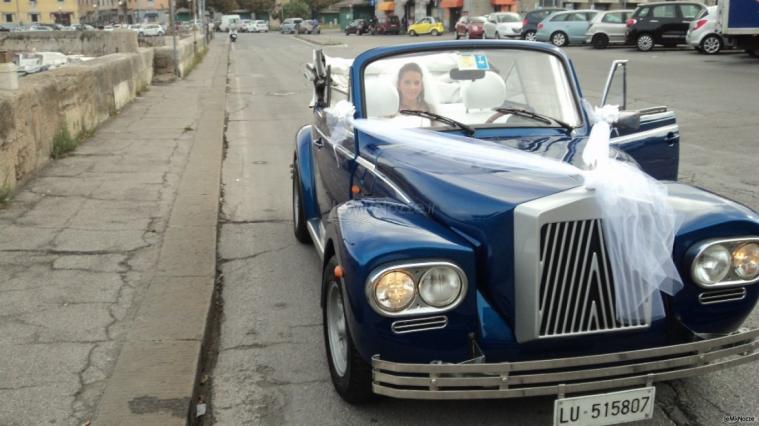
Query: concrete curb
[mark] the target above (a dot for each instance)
(154, 377)
(316, 40)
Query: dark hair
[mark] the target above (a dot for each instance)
(414, 67)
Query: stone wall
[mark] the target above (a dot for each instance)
(88, 43)
(189, 52)
(76, 98)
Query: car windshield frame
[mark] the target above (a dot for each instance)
(568, 74)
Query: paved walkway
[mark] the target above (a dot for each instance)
(107, 263)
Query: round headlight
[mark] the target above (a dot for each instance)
(746, 261)
(394, 291)
(440, 286)
(712, 265)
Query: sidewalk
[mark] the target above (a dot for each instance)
(107, 264)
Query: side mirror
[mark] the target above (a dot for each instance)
(615, 91)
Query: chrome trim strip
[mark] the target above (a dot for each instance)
(729, 241)
(316, 236)
(575, 375)
(419, 324)
(373, 170)
(660, 131)
(417, 305)
(722, 296)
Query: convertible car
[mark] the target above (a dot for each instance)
(463, 258)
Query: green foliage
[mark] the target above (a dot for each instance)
(63, 143)
(5, 193)
(258, 6)
(296, 9)
(224, 6)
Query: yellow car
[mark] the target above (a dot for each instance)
(428, 25)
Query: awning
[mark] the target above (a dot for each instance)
(451, 4)
(387, 6)
(503, 2)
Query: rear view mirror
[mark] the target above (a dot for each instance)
(457, 74)
(629, 121)
(615, 91)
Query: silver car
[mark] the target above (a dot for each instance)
(703, 34)
(503, 24)
(607, 28)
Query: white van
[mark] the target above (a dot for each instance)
(229, 22)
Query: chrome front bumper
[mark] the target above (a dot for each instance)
(564, 375)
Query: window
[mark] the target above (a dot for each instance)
(665, 11)
(612, 18)
(8, 17)
(689, 11)
(577, 17)
(35, 17)
(643, 12)
(560, 18)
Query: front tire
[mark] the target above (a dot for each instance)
(412, 33)
(435, 33)
(644, 42)
(559, 39)
(299, 215)
(351, 375)
(529, 35)
(711, 44)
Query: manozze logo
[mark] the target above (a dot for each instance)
(739, 419)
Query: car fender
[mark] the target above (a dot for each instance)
(304, 163)
(368, 234)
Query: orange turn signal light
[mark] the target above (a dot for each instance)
(339, 272)
(355, 189)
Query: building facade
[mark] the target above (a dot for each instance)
(28, 12)
(104, 12)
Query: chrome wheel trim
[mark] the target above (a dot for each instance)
(645, 42)
(558, 39)
(711, 45)
(530, 36)
(337, 330)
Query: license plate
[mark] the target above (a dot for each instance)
(606, 408)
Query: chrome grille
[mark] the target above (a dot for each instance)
(577, 293)
(722, 296)
(419, 324)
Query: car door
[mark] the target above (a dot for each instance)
(666, 19)
(655, 144)
(333, 155)
(577, 25)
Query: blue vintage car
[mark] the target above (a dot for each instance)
(442, 276)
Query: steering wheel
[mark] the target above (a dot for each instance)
(508, 104)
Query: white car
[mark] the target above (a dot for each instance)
(260, 26)
(703, 32)
(151, 30)
(502, 25)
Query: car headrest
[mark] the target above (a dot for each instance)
(487, 92)
(381, 98)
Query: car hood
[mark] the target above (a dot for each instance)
(478, 201)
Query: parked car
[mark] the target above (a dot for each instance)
(389, 24)
(461, 27)
(427, 25)
(291, 26)
(607, 28)
(357, 26)
(503, 24)
(260, 26)
(9, 26)
(244, 24)
(470, 259)
(533, 18)
(661, 24)
(476, 27)
(311, 26)
(153, 30)
(38, 27)
(563, 28)
(703, 34)
(83, 27)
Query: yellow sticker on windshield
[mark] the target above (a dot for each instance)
(473, 62)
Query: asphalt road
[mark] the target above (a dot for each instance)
(271, 366)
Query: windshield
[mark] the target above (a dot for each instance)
(467, 86)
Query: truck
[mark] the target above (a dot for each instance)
(229, 23)
(739, 21)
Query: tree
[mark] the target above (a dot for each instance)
(258, 6)
(315, 6)
(225, 6)
(296, 9)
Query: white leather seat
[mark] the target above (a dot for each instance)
(481, 96)
(381, 98)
